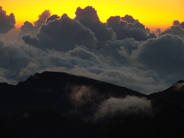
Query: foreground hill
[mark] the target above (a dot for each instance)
(53, 104)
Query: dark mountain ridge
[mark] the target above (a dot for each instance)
(56, 104)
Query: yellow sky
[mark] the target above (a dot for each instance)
(152, 13)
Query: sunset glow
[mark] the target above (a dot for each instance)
(151, 13)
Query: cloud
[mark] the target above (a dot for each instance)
(118, 52)
(164, 54)
(81, 95)
(62, 35)
(130, 105)
(17, 59)
(127, 28)
(182, 25)
(176, 29)
(74, 46)
(53, 17)
(26, 60)
(84, 54)
(7, 22)
(129, 19)
(89, 18)
(1, 43)
(29, 28)
(176, 23)
(42, 18)
(158, 31)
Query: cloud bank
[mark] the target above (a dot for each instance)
(121, 51)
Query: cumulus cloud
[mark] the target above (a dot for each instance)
(7, 22)
(176, 29)
(118, 52)
(62, 35)
(1, 43)
(84, 54)
(127, 27)
(53, 17)
(130, 105)
(182, 25)
(27, 60)
(29, 28)
(158, 31)
(164, 54)
(89, 18)
(176, 22)
(74, 46)
(42, 18)
(129, 19)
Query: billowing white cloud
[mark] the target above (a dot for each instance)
(82, 95)
(123, 107)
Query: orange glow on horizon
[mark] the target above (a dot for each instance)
(153, 14)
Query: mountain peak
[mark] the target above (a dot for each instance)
(180, 81)
(179, 85)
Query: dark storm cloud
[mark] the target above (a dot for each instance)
(158, 31)
(1, 43)
(123, 29)
(129, 19)
(29, 40)
(83, 54)
(147, 30)
(176, 22)
(118, 52)
(89, 18)
(29, 28)
(12, 59)
(53, 17)
(71, 45)
(176, 29)
(164, 54)
(7, 22)
(62, 35)
(42, 18)
(182, 25)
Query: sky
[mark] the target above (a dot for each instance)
(107, 41)
(153, 13)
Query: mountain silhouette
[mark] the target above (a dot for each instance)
(56, 104)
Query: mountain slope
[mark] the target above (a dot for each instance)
(174, 95)
(60, 92)
(53, 104)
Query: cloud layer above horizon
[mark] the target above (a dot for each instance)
(121, 51)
